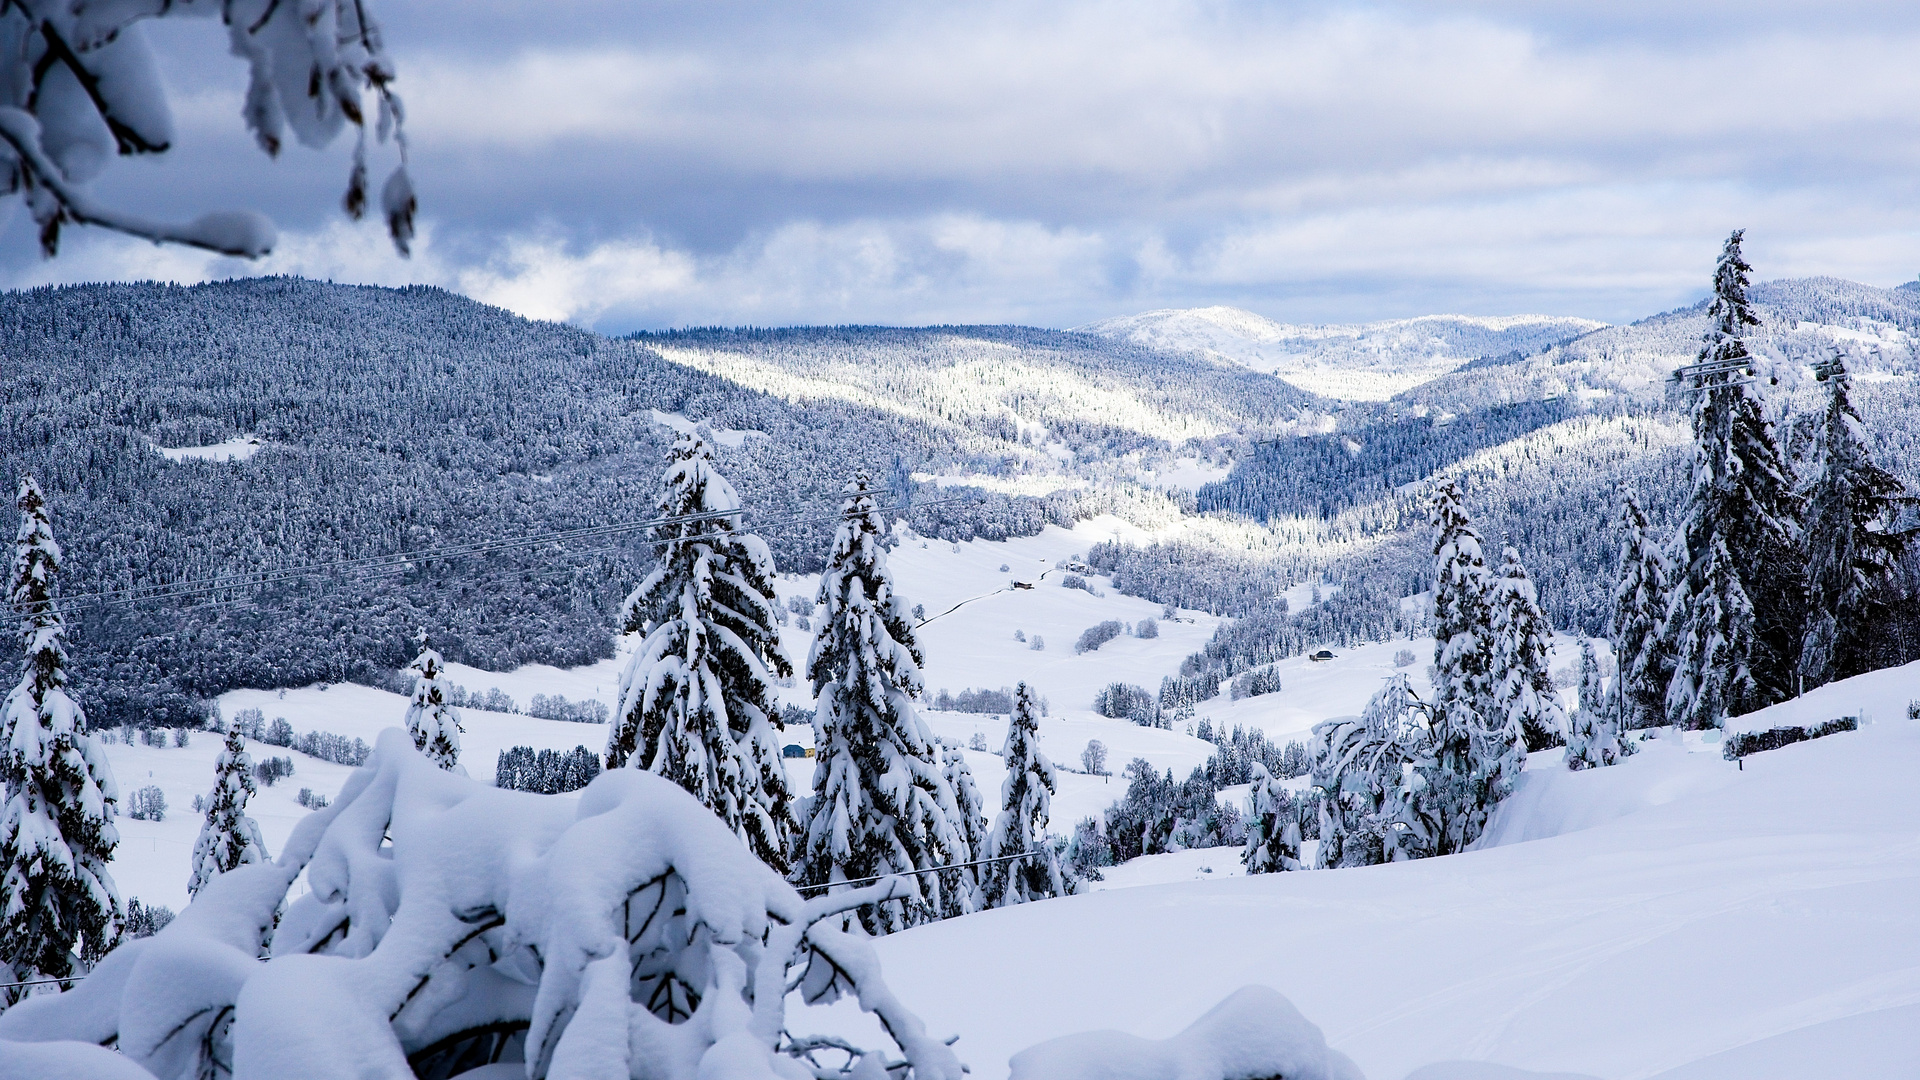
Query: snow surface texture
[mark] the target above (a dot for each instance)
(1683, 921)
(1366, 362)
(239, 448)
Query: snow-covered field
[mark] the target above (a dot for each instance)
(1671, 917)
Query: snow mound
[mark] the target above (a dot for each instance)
(1254, 1034)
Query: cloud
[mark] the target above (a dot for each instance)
(680, 163)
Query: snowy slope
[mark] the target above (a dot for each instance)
(1363, 362)
(1755, 925)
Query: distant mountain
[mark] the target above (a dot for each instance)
(1361, 362)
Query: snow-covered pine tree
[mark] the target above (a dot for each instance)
(970, 832)
(1273, 831)
(1026, 800)
(697, 698)
(1734, 617)
(880, 803)
(1473, 754)
(228, 837)
(1367, 814)
(1594, 739)
(431, 720)
(58, 905)
(1852, 551)
(1522, 655)
(1644, 664)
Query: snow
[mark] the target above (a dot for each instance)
(1730, 916)
(731, 438)
(238, 448)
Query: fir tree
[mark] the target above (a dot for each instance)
(1594, 738)
(1473, 753)
(228, 837)
(1522, 653)
(431, 720)
(1026, 799)
(1273, 834)
(1645, 666)
(970, 831)
(1852, 552)
(697, 699)
(880, 803)
(59, 907)
(1734, 619)
(1367, 811)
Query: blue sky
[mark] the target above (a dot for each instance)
(629, 165)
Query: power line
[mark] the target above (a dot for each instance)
(929, 870)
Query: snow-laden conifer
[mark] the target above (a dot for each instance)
(1522, 659)
(697, 699)
(432, 721)
(1734, 616)
(881, 804)
(1026, 801)
(1644, 665)
(970, 832)
(1851, 548)
(228, 837)
(1473, 752)
(1366, 789)
(58, 905)
(1594, 738)
(1273, 830)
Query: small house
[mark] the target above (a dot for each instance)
(1323, 654)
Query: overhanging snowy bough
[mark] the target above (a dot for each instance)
(450, 926)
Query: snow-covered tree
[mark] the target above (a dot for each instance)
(1026, 800)
(1594, 738)
(1273, 831)
(1522, 659)
(432, 721)
(79, 85)
(1851, 548)
(1734, 616)
(1361, 768)
(228, 837)
(1644, 665)
(970, 832)
(1473, 753)
(881, 804)
(697, 699)
(58, 904)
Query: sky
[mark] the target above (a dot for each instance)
(635, 165)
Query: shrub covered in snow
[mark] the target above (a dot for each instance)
(1075, 581)
(1261, 680)
(1147, 628)
(628, 933)
(147, 804)
(272, 770)
(1741, 744)
(1097, 635)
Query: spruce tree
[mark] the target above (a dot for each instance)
(1273, 832)
(970, 832)
(1473, 753)
(1852, 552)
(228, 837)
(1368, 811)
(1026, 799)
(433, 723)
(1594, 738)
(1522, 659)
(1645, 665)
(881, 804)
(58, 905)
(697, 698)
(1734, 620)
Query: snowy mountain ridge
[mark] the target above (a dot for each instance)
(1354, 362)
